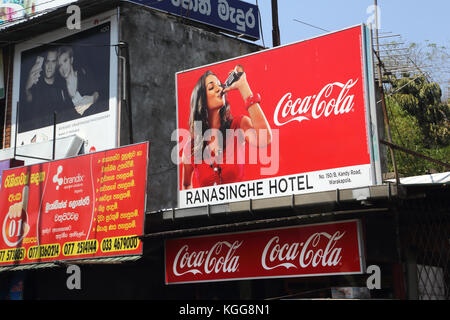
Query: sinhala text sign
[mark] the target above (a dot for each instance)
(83, 207)
(235, 16)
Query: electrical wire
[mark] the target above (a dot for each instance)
(398, 89)
(391, 115)
(311, 25)
(421, 73)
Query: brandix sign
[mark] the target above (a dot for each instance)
(309, 250)
(84, 207)
(289, 120)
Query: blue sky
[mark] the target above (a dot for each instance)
(414, 20)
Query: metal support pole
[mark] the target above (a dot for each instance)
(125, 88)
(386, 120)
(416, 154)
(16, 129)
(383, 101)
(54, 136)
(275, 26)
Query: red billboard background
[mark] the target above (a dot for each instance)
(309, 250)
(83, 207)
(301, 71)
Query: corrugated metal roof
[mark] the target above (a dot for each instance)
(442, 177)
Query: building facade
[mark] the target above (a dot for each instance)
(402, 247)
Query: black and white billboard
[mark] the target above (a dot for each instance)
(70, 76)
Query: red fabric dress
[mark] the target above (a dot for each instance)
(209, 172)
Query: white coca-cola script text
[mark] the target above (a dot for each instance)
(311, 253)
(316, 106)
(220, 258)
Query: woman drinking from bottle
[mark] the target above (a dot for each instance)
(216, 151)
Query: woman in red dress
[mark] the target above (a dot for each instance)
(210, 120)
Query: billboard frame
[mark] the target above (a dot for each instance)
(113, 111)
(98, 258)
(368, 92)
(361, 249)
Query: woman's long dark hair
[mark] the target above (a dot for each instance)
(199, 112)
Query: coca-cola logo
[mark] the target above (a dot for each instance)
(221, 257)
(307, 250)
(311, 253)
(321, 250)
(322, 104)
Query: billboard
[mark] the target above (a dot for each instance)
(300, 251)
(11, 10)
(298, 119)
(89, 206)
(72, 73)
(234, 16)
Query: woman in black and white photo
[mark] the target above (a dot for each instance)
(79, 90)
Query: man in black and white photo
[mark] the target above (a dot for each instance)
(42, 94)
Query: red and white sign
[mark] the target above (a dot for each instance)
(314, 98)
(309, 250)
(83, 207)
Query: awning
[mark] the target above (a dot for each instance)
(33, 266)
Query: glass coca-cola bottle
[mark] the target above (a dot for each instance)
(232, 78)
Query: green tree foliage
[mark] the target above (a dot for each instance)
(422, 100)
(419, 122)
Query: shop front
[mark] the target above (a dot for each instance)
(286, 201)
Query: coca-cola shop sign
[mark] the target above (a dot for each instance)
(314, 98)
(308, 250)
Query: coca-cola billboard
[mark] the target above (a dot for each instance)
(288, 120)
(309, 250)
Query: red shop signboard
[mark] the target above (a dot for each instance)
(308, 250)
(88, 206)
